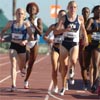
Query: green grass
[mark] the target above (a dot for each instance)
(2, 50)
(43, 49)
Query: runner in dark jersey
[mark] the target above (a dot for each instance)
(84, 56)
(70, 45)
(93, 28)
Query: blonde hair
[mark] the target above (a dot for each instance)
(21, 9)
(70, 3)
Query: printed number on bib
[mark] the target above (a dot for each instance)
(17, 36)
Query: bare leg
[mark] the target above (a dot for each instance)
(32, 58)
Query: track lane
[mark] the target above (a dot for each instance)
(40, 84)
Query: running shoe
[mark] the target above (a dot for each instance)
(71, 81)
(13, 88)
(98, 90)
(62, 91)
(26, 85)
(55, 90)
(86, 85)
(93, 89)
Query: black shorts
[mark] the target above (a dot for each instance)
(18, 48)
(69, 45)
(55, 49)
(94, 45)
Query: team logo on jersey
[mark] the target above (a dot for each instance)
(73, 27)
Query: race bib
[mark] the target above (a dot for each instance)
(70, 34)
(17, 36)
(96, 36)
(58, 39)
(33, 29)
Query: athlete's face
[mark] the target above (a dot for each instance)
(97, 12)
(86, 13)
(20, 14)
(33, 10)
(72, 8)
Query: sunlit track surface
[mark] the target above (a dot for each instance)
(40, 83)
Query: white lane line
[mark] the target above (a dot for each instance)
(5, 79)
(50, 94)
(4, 64)
(1, 81)
(49, 89)
(54, 96)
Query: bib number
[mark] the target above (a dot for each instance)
(70, 34)
(17, 36)
(96, 36)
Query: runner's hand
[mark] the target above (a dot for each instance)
(2, 39)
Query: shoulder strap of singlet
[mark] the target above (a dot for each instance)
(35, 21)
(66, 18)
(94, 24)
(76, 18)
(12, 26)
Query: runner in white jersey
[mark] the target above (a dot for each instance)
(55, 41)
(36, 26)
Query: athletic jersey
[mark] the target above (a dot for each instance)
(73, 35)
(96, 35)
(18, 33)
(58, 38)
(36, 35)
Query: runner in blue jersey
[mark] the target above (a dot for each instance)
(17, 52)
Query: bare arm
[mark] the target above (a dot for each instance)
(29, 31)
(8, 25)
(89, 28)
(50, 29)
(60, 27)
(82, 28)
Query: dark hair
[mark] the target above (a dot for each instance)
(30, 5)
(62, 11)
(85, 8)
(95, 7)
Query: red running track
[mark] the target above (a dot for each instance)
(40, 83)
